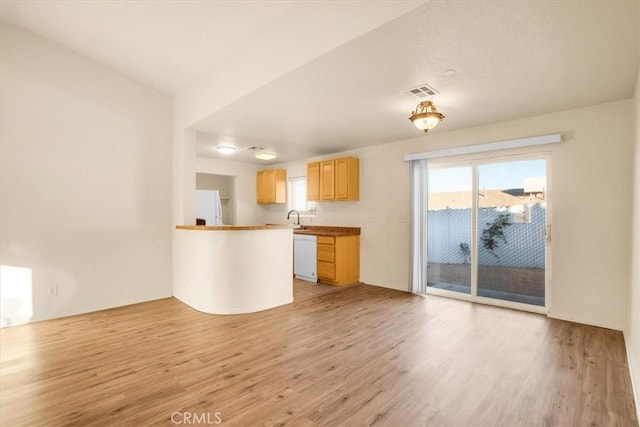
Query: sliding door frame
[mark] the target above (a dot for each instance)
(474, 162)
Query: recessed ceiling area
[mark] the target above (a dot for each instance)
(490, 61)
(207, 142)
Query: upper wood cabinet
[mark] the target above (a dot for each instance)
(337, 179)
(313, 181)
(347, 178)
(261, 191)
(327, 190)
(271, 186)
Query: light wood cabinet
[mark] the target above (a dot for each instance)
(271, 186)
(327, 180)
(261, 191)
(347, 178)
(339, 259)
(334, 180)
(313, 181)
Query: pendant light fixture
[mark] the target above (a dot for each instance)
(426, 116)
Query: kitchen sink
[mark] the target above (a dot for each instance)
(296, 227)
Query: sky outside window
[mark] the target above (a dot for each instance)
(495, 176)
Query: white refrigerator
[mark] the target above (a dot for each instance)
(208, 206)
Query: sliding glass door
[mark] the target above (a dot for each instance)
(486, 231)
(511, 228)
(449, 229)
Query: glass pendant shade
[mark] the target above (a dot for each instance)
(426, 116)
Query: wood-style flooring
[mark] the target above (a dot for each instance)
(360, 355)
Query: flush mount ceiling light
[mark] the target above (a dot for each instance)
(226, 148)
(426, 116)
(263, 155)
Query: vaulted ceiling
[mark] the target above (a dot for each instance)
(490, 61)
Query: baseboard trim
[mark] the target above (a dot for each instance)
(635, 387)
(98, 310)
(575, 319)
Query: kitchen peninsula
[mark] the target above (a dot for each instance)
(233, 269)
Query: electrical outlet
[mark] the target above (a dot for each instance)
(52, 291)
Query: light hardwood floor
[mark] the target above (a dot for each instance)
(359, 355)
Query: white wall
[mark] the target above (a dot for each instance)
(85, 178)
(592, 183)
(632, 334)
(245, 186)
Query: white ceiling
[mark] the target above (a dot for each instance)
(491, 62)
(166, 44)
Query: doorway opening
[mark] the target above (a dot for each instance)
(215, 201)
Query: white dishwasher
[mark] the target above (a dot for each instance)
(305, 257)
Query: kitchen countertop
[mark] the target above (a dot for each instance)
(313, 230)
(321, 230)
(231, 227)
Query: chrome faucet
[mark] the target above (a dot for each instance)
(297, 213)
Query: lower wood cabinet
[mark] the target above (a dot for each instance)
(339, 259)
